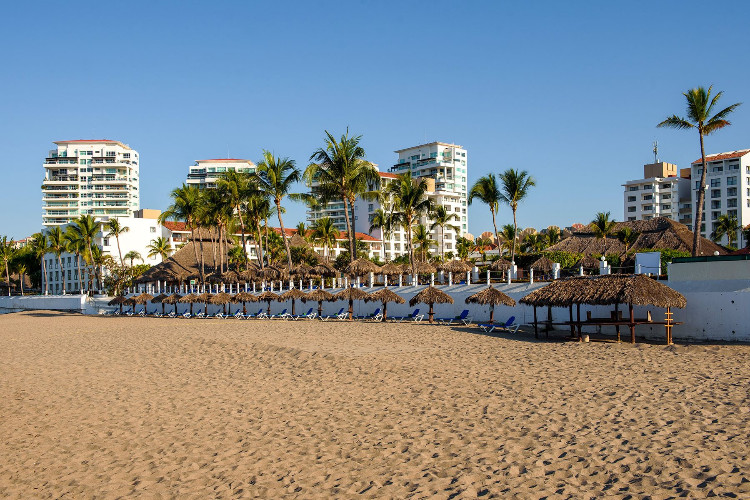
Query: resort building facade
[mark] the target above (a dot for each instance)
(727, 190)
(89, 177)
(205, 173)
(657, 194)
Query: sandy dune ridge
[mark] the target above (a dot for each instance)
(96, 407)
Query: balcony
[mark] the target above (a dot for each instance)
(62, 178)
(686, 211)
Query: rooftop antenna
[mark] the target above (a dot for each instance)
(656, 151)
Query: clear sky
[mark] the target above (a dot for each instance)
(570, 91)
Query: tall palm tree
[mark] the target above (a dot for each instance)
(22, 269)
(258, 205)
(726, 225)
(86, 227)
(237, 186)
(6, 253)
(58, 244)
(132, 255)
(382, 219)
(487, 191)
(627, 236)
(442, 218)
(514, 187)
(276, 177)
(422, 238)
(411, 202)
(185, 207)
(463, 247)
(301, 229)
(114, 228)
(553, 235)
(602, 227)
(77, 246)
(339, 171)
(508, 238)
(700, 106)
(39, 247)
(324, 231)
(160, 246)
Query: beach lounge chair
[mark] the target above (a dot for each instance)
(171, 314)
(415, 317)
(187, 314)
(251, 315)
(461, 318)
(337, 315)
(509, 326)
(282, 315)
(377, 315)
(308, 315)
(238, 315)
(200, 315)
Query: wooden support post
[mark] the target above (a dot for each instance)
(549, 321)
(578, 309)
(668, 325)
(617, 319)
(536, 332)
(632, 324)
(572, 326)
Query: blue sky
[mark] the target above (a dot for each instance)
(570, 91)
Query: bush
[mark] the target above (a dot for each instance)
(565, 259)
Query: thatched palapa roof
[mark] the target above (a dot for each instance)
(244, 297)
(423, 268)
(455, 266)
(542, 264)
(500, 265)
(490, 296)
(392, 269)
(159, 298)
(318, 296)
(143, 298)
(351, 294)
(324, 269)
(361, 267)
(173, 299)
(431, 295)
(220, 298)
(293, 294)
(268, 296)
(609, 289)
(120, 299)
(385, 295)
(189, 298)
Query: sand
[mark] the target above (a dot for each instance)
(96, 407)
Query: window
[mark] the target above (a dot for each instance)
(717, 169)
(697, 185)
(715, 183)
(110, 153)
(106, 242)
(631, 209)
(647, 207)
(666, 186)
(631, 198)
(715, 204)
(648, 186)
(716, 193)
(666, 207)
(666, 196)
(732, 213)
(732, 181)
(732, 203)
(369, 207)
(631, 218)
(126, 155)
(731, 191)
(647, 197)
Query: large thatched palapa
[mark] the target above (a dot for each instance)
(293, 294)
(351, 294)
(244, 298)
(491, 296)
(384, 296)
(319, 296)
(361, 267)
(455, 267)
(172, 299)
(542, 264)
(268, 296)
(392, 269)
(431, 296)
(657, 233)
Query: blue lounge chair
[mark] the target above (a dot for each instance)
(374, 316)
(415, 316)
(509, 326)
(331, 316)
(308, 315)
(281, 315)
(251, 315)
(462, 318)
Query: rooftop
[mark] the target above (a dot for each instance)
(92, 141)
(435, 143)
(226, 160)
(724, 156)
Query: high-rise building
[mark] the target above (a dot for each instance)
(656, 195)
(205, 173)
(89, 177)
(444, 168)
(727, 190)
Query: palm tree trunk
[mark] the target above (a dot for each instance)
(213, 249)
(265, 227)
(7, 276)
(701, 198)
(259, 245)
(497, 235)
(21, 275)
(62, 274)
(242, 232)
(44, 273)
(410, 247)
(117, 238)
(352, 253)
(192, 238)
(80, 274)
(283, 234)
(353, 240)
(515, 237)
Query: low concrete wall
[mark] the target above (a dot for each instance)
(74, 303)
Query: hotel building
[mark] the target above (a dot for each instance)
(89, 177)
(727, 190)
(205, 173)
(656, 195)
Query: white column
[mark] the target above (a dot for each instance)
(400, 280)
(509, 277)
(531, 276)
(488, 277)
(556, 270)
(432, 279)
(372, 279)
(450, 279)
(468, 277)
(580, 271)
(385, 280)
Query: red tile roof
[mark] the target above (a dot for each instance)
(388, 175)
(724, 156)
(175, 226)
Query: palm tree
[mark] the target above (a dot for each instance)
(627, 236)
(86, 227)
(746, 235)
(700, 106)
(422, 238)
(507, 238)
(534, 242)
(6, 253)
(382, 219)
(726, 225)
(442, 218)
(463, 247)
(602, 227)
(237, 186)
(160, 246)
(487, 191)
(39, 247)
(185, 206)
(515, 186)
(553, 235)
(114, 228)
(340, 171)
(58, 244)
(411, 202)
(22, 270)
(132, 255)
(301, 229)
(481, 243)
(276, 176)
(258, 205)
(325, 232)
(77, 246)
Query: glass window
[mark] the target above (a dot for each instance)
(732, 213)
(666, 207)
(732, 181)
(666, 196)
(731, 191)
(731, 202)
(631, 209)
(715, 183)
(716, 193)
(631, 198)
(715, 204)
(647, 196)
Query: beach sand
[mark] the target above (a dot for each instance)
(166, 408)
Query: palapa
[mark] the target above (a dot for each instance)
(268, 296)
(351, 294)
(362, 267)
(384, 296)
(302, 270)
(424, 268)
(431, 296)
(324, 269)
(392, 269)
(248, 275)
(205, 298)
(142, 299)
(230, 277)
(173, 299)
(455, 267)
(500, 265)
(292, 294)
(244, 297)
(118, 301)
(223, 299)
(587, 262)
(159, 299)
(491, 296)
(190, 299)
(542, 264)
(318, 296)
